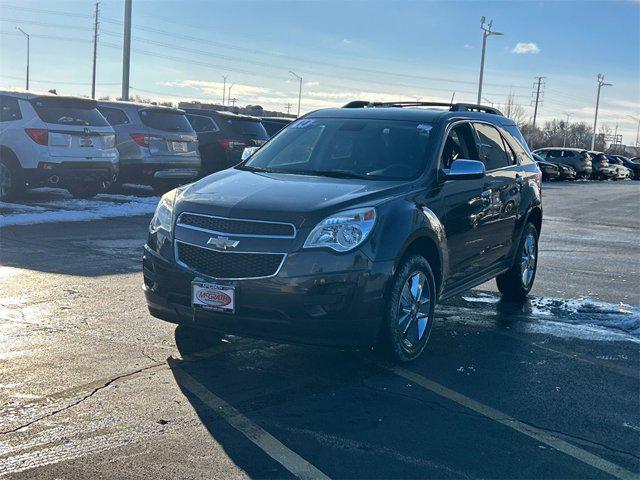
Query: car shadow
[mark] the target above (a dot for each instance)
(349, 415)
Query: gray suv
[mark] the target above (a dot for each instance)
(157, 145)
(577, 158)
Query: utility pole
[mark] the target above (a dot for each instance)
(637, 131)
(535, 108)
(288, 106)
(486, 32)
(601, 84)
(566, 129)
(299, 90)
(126, 50)
(224, 88)
(452, 97)
(28, 41)
(233, 101)
(229, 93)
(95, 51)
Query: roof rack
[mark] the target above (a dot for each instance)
(453, 107)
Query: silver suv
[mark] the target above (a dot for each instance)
(157, 145)
(50, 140)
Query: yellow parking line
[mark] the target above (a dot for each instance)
(504, 419)
(290, 460)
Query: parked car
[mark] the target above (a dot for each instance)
(575, 157)
(222, 136)
(550, 172)
(602, 170)
(55, 141)
(567, 172)
(348, 226)
(633, 167)
(274, 124)
(157, 145)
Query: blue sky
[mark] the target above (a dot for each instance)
(343, 50)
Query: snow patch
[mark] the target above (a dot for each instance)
(76, 210)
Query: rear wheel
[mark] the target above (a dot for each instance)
(11, 182)
(516, 283)
(409, 311)
(84, 190)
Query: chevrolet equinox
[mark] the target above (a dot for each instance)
(349, 225)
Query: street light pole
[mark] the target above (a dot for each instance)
(229, 93)
(637, 131)
(224, 88)
(601, 84)
(486, 32)
(28, 41)
(299, 90)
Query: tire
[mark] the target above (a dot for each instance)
(515, 284)
(83, 190)
(11, 181)
(409, 317)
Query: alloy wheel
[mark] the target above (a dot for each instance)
(528, 260)
(413, 312)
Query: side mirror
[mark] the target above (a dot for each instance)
(247, 152)
(464, 170)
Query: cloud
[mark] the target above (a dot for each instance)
(522, 48)
(468, 47)
(215, 88)
(346, 41)
(312, 84)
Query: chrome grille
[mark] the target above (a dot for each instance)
(228, 265)
(236, 226)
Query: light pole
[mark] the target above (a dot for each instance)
(299, 90)
(601, 84)
(637, 131)
(566, 129)
(486, 32)
(27, 36)
(224, 88)
(229, 93)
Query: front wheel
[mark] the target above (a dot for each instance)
(409, 311)
(516, 283)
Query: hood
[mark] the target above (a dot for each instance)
(280, 197)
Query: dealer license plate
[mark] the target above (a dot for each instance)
(179, 146)
(211, 296)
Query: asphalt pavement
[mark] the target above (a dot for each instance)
(92, 386)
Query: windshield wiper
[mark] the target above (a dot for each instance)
(339, 174)
(253, 169)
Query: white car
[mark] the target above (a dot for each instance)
(56, 141)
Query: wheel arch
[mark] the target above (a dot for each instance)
(535, 217)
(7, 154)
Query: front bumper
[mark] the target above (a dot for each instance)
(71, 172)
(338, 307)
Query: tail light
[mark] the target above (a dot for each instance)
(38, 135)
(143, 139)
(230, 144)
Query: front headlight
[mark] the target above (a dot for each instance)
(343, 231)
(163, 217)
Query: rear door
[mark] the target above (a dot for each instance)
(76, 129)
(170, 132)
(500, 194)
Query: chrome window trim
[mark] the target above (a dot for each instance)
(183, 265)
(229, 234)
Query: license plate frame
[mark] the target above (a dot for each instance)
(213, 297)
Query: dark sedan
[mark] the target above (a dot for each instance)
(550, 172)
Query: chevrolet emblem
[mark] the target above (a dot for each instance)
(223, 243)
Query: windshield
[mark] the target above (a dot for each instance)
(350, 148)
(167, 120)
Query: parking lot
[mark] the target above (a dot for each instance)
(93, 387)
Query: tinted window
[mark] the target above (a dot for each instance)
(68, 111)
(492, 152)
(201, 123)
(248, 128)
(9, 109)
(568, 153)
(168, 120)
(376, 149)
(459, 145)
(114, 116)
(518, 148)
(554, 153)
